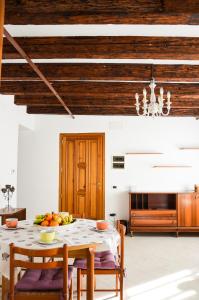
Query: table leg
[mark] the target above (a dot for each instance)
(5, 288)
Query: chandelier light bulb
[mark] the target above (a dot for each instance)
(137, 97)
(144, 92)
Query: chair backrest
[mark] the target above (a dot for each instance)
(31, 264)
(81, 251)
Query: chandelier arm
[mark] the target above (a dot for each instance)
(166, 114)
(138, 113)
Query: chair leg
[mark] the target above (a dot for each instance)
(71, 290)
(79, 287)
(121, 286)
(117, 285)
(95, 283)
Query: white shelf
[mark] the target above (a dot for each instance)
(172, 166)
(189, 148)
(144, 153)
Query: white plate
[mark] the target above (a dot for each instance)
(7, 228)
(55, 241)
(98, 230)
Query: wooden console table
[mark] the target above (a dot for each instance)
(19, 213)
(164, 212)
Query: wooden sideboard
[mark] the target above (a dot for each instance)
(163, 212)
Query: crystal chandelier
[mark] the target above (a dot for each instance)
(152, 107)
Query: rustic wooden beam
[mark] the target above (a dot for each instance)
(85, 88)
(106, 111)
(129, 47)
(2, 10)
(94, 71)
(100, 100)
(36, 70)
(102, 12)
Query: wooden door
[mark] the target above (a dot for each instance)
(188, 210)
(82, 174)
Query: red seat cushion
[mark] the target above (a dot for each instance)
(103, 260)
(43, 280)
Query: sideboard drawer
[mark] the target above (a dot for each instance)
(153, 222)
(153, 213)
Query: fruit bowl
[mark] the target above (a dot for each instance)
(54, 221)
(56, 228)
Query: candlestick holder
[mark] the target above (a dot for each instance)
(8, 191)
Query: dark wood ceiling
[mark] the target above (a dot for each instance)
(102, 12)
(131, 47)
(102, 88)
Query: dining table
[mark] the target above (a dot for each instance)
(27, 235)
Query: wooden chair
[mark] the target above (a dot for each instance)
(104, 264)
(51, 280)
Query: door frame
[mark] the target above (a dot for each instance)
(83, 135)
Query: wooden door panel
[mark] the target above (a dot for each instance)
(67, 175)
(81, 178)
(93, 182)
(101, 178)
(185, 210)
(80, 175)
(80, 204)
(70, 175)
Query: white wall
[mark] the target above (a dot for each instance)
(11, 117)
(38, 179)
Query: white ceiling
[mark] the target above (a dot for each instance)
(104, 30)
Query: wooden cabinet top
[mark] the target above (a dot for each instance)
(14, 211)
(185, 192)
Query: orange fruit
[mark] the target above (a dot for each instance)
(44, 223)
(55, 216)
(48, 217)
(53, 223)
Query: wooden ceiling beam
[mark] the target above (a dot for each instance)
(99, 100)
(102, 12)
(2, 10)
(36, 70)
(107, 47)
(105, 111)
(89, 71)
(80, 88)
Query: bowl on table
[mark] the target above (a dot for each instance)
(102, 225)
(11, 222)
(47, 236)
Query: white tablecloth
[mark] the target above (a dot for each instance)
(81, 232)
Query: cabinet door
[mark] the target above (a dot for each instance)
(196, 209)
(188, 210)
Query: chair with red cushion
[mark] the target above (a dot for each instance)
(105, 264)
